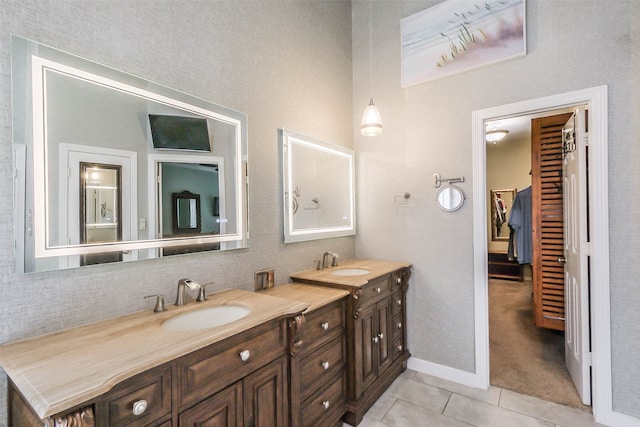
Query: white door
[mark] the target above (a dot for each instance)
(577, 342)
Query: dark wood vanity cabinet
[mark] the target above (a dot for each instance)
(318, 369)
(376, 337)
(240, 381)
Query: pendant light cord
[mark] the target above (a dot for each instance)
(370, 50)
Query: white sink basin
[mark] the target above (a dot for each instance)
(205, 318)
(350, 271)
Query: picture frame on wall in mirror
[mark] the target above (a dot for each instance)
(501, 202)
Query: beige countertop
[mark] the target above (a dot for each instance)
(57, 371)
(314, 296)
(376, 269)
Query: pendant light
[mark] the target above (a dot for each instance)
(371, 124)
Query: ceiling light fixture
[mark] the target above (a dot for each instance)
(371, 124)
(495, 135)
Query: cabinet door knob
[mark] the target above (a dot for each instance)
(375, 339)
(399, 348)
(325, 326)
(378, 290)
(398, 280)
(399, 325)
(325, 365)
(245, 355)
(399, 302)
(325, 404)
(381, 335)
(139, 407)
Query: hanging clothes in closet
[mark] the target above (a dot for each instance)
(520, 241)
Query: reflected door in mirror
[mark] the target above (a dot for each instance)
(100, 207)
(186, 214)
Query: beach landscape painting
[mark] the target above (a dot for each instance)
(459, 35)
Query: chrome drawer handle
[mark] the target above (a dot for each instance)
(245, 355)
(325, 404)
(378, 290)
(139, 407)
(325, 326)
(325, 365)
(398, 280)
(399, 302)
(399, 325)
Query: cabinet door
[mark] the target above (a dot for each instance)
(365, 354)
(383, 319)
(223, 409)
(265, 396)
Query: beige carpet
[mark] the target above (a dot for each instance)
(524, 358)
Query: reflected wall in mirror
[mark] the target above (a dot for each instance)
(501, 202)
(74, 117)
(318, 188)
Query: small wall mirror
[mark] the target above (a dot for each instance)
(450, 198)
(186, 214)
(501, 202)
(99, 153)
(318, 188)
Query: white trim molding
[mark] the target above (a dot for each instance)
(596, 100)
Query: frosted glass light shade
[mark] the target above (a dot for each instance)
(495, 135)
(371, 121)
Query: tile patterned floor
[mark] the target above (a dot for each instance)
(416, 400)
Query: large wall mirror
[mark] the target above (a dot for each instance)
(99, 154)
(318, 188)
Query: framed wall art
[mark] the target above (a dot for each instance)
(459, 35)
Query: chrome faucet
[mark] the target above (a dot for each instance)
(182, 283)
(334, 259)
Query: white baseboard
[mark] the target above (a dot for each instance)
(618, 419)
(445, 372)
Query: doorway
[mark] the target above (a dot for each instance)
(527, 355)
(596, 100)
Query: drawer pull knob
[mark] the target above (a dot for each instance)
(399, 302)
(375, 339)
(399, 325)
(399, 348)
(245, 355)
(325, 326)
(325, 365)
(325, 404)
(139, 407)
(378, 290)
(398, 280)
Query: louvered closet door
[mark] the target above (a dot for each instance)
(547, 216)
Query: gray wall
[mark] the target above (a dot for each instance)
(571, 45)
(285, 64)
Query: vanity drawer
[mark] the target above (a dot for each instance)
(321, 365)
(396, 303)
(397, 327)
(147, 394)
(209, 370)
(375, 291)
(329, 399)
(322, 325)
(397, 348)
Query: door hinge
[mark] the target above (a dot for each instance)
(588, 359)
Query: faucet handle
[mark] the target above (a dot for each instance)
(202, 294)
(159, 308)
(334, 261)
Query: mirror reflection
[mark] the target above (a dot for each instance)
(318, 183)
(105, 153)
(501, 201)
